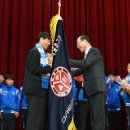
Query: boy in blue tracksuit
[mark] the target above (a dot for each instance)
(23, 104)
(1, 85)
(113, 101)
(126, 94)
(81, 109)
(9, 103)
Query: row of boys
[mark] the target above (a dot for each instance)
(10, 101)
(11, 98)
(117, 89)
(113, 105)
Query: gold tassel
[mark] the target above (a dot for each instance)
(72, 125)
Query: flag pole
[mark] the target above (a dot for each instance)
(59, 6)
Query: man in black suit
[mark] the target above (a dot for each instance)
(32, 85)
(92, 67)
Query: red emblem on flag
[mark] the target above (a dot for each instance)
(61, 82)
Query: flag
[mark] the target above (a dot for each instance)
(61, 102)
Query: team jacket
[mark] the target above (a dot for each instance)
(23, 99)
(113, 97)
(1, 85)
(9, 99)
(78, 93)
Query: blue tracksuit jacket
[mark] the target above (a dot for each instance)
(1, 85)
(78, 93)
(9, 99)
(113, 97)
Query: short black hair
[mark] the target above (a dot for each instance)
(44, 35)
(48, 51)
(85, 37)
(9, 76)
(112, 73)
(2, 74)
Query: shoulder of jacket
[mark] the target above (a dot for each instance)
(95, 49)
(33, 51)
(16, 90)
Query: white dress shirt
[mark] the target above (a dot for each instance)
(86, 52)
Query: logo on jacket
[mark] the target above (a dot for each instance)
(61, 82)
(4, 92)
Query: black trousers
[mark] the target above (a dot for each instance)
(96, 105)
(24, 117)
(76, 115)
(0, 123)
(128, 117)
(106, 118)
(36, 112)
(114, 120)
(84, 116)
(8, 121)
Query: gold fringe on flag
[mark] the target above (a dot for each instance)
(53, 24)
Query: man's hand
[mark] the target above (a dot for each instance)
(118, 79)
(16, 114)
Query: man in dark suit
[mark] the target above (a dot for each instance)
(92, 67)
(32, 85)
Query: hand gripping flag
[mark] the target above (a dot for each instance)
(60, 100)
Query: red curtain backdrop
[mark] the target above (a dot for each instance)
(107, 22)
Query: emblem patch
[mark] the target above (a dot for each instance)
(61, 82)
(4, 92)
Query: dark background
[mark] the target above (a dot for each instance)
(107, 22)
